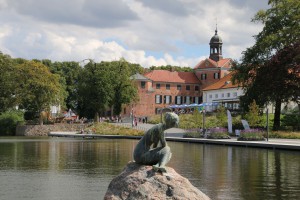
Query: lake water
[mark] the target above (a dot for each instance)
(64, 168)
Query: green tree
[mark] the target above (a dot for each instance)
(69, 73)
(221, 116)
(292, 119)
(7, 79)
(95, 89)
(38, 88)
(123, 87)
(253, 116)
(9, 121)
(106, 85)
(264, 73)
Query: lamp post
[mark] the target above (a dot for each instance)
(267, 124)
(203, 121)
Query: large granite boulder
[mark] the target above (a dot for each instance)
(142, 182)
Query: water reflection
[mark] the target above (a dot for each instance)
(57, 168)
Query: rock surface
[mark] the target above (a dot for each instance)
(141, 182)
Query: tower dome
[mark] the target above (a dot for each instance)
(216, 47)
(216, 38)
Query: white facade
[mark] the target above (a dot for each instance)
(229, 97)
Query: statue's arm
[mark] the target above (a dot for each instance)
(163, 139)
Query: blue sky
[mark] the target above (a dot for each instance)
(148, 32)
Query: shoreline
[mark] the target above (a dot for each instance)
(284, 144)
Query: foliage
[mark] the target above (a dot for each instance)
(7, 80)
(253, 117)
(9, 121)
(109, 129)
(251, 135)
(124, 89)
(37, 87)
(187, 121)
(69, 76)
(221, 116)
(155, 119)
(105, 85)
(218, 133)
(191, 121)
(193, 133)
(284, 134)
(95, 89)
(269, 71)
(292, 119)
(172, 68)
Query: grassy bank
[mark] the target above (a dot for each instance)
(110, 129)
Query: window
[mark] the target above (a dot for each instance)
(168, 86)
(143, 84)
(178, 100)
(168, 99)
(196, 100)
(196, 88)
(187, 87)
(187, 100)
(216, 75)
(210, 96)
(178, 87)
(157, 85)
(158, 99)
(228, 94)
(223, 95)
(235, 94)
(203, 76)
(216, 96)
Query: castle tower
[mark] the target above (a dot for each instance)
(216, 47)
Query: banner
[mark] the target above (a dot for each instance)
(229, 119)
(245, 124)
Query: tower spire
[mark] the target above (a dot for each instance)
(216, 31)
(216, 46)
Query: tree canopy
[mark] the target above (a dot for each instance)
(170, 68)
(106, 85)
(7, 80)
(38, 88)
(269, 71)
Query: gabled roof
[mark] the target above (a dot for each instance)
(209, 63)
(139, 77)
(172, 76)
(223, 83)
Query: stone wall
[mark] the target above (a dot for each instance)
(43, 130)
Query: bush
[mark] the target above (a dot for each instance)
(292, 119)
(251, 135)
(221, 116)
(284, 134)
(105, 128)
(218, 133)
(154, 119)
(9, 121)
(193, 133)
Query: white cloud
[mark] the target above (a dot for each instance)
(145, 32)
